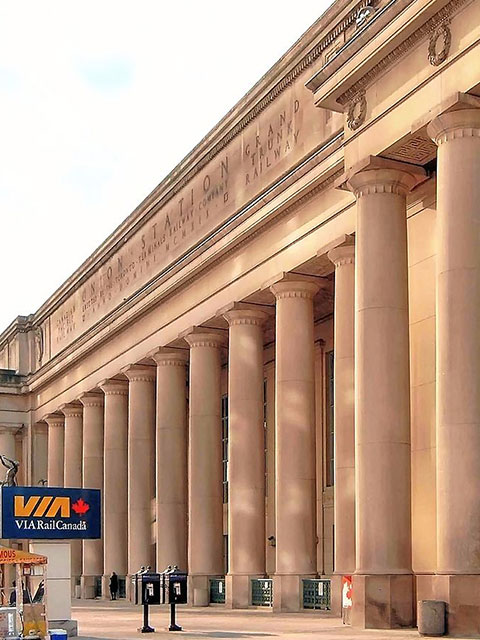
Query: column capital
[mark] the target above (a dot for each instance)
(254, 317)
(13, 429)
(54, 420)
(342, 255)
(200, 337)
(140, 372)
(294, 289)
(114, 387)
(375, 175)
(71, 410)
(91, 399)
(463, 123)
(170, 357)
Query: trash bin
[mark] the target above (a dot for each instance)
(431, 617)
(57, 634)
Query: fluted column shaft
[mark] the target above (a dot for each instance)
(141, 465)
(171, 468)
(92, 476)
(246, 457)
(115, 482)
(295, 429)
(383, 542)
(457, 135)
(205, 499)
(73, 468)
(344, 408)
(56, 434)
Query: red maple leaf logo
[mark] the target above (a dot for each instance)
(80, 506)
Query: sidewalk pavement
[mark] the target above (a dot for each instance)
(120, 620)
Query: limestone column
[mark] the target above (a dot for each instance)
(115, 480)
(141, 465)
(171, 465)
(457, 135)
(92, 477)
(343, 258)
(205, 472)
(56, 434)
(73, 472)
(246, 457)
(382, 395)
(295, 441)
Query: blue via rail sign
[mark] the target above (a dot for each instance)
(50, 513)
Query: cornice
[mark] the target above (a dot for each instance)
(426, 30)
(327, 181)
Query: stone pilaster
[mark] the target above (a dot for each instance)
(383, 582)
(295, 441)
(56, 435)
(246, 458)
(205, 473)
(115, 480)
(92, 478)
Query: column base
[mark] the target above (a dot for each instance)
(461, 593)
(129, 589)
(382, 601)
(336, 595)
(238, 590)
(288, 592)
(199, 591)
(87, 587)
(76, 592)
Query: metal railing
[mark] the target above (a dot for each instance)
(262, 592)
(317, 594)
(217, 590)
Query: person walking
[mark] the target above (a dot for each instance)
(113, 586)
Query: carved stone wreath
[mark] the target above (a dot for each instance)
(357, 110)
(442, 31)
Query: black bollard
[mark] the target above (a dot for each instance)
(173, 626)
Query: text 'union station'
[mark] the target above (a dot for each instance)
(271, 368)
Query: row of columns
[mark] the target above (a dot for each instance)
(372, 405)
(108, 441)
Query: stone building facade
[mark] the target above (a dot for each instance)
(271, 366)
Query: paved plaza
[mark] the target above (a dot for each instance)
(100, 619)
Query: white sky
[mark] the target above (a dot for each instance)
(99, 100)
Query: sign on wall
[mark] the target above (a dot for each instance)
(50, 513)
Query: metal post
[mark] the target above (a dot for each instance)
(173, 626)
(146, 627)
